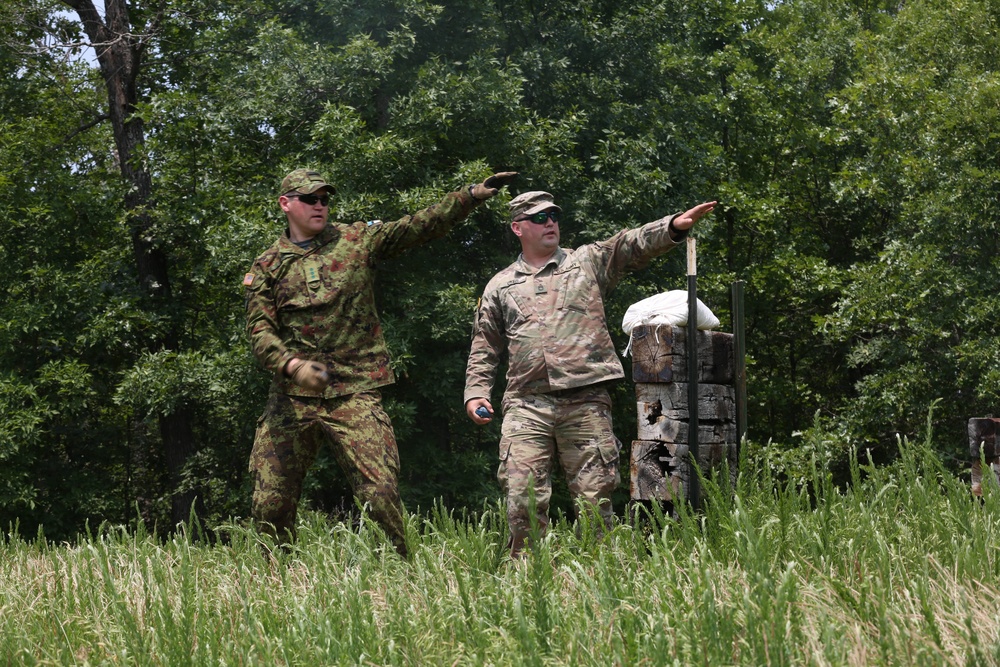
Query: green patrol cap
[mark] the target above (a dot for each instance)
(529, 203)
(304, 181)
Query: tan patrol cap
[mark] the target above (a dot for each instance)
(529, 203)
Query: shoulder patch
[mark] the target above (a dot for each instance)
(248, 280)
(372, 223)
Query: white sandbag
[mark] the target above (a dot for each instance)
(665, 308)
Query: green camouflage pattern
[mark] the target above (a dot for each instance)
(318, 303)
(574, 426)
(304, 181)
(360, 436)
(550, 320)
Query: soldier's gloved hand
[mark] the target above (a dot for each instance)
(310, 375)
(492, 185)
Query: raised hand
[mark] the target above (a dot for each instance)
(492, 185)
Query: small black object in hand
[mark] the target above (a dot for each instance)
(483, 412)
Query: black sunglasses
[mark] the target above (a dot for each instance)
(542, 218)
(310, 200)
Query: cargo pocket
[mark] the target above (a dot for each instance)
(383, 430)
(504, 449)
(610, 449)
(258, 436)
(502, 466)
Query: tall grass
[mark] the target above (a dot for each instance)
(899, 568)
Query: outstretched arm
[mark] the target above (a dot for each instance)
(390, 239)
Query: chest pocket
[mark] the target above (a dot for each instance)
(576, 288)
(515, 306)
(296, 285)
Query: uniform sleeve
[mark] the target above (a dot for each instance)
(262, 322)
(489, 341)
(390, 239)
(630, 250)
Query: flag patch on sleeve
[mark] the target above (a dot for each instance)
(248, 280)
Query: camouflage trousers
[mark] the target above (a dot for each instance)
(362, 441)
(574, 425)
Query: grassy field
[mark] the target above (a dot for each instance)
(901, 568)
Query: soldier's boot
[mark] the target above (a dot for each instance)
(515, 545)
(277, 522)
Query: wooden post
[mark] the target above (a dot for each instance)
(739, 363)
(662, 368)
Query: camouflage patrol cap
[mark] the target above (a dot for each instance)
(304, 181)
(529, 203)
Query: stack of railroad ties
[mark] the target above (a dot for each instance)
(660, 462)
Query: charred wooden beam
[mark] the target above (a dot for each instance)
(659, 355)
(716, 402)
(661, 471)
(984, 446)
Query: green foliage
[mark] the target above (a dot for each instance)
(920, 311)
(852, 146)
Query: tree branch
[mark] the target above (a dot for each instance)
(91, 19)
(86, 126)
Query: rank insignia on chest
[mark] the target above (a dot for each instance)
(248, 280)
(312, 276)
(540, 288)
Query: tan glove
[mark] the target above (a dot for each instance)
(492, 185)
(310, 375)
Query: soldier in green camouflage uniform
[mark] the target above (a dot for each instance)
(546, 312)
(312, 322)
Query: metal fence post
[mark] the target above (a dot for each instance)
(694, 492)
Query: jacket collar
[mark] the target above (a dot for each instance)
(556, 259)
(329, 234)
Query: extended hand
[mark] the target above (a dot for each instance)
(492, 185)
(310, 375)
(686, 219)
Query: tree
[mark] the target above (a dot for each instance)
(60, 439)
(121, 39)
(842, 138)
(920, 313)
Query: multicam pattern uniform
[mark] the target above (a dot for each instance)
(551, 323)
(318, 303)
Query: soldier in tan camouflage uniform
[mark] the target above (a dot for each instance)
(546, 312)
(312, 322)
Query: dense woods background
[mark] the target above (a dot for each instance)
(853, 146)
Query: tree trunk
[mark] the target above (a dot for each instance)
(120, 48)
(179, 445)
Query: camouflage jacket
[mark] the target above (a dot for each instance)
(551, 320)
(318, 303)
